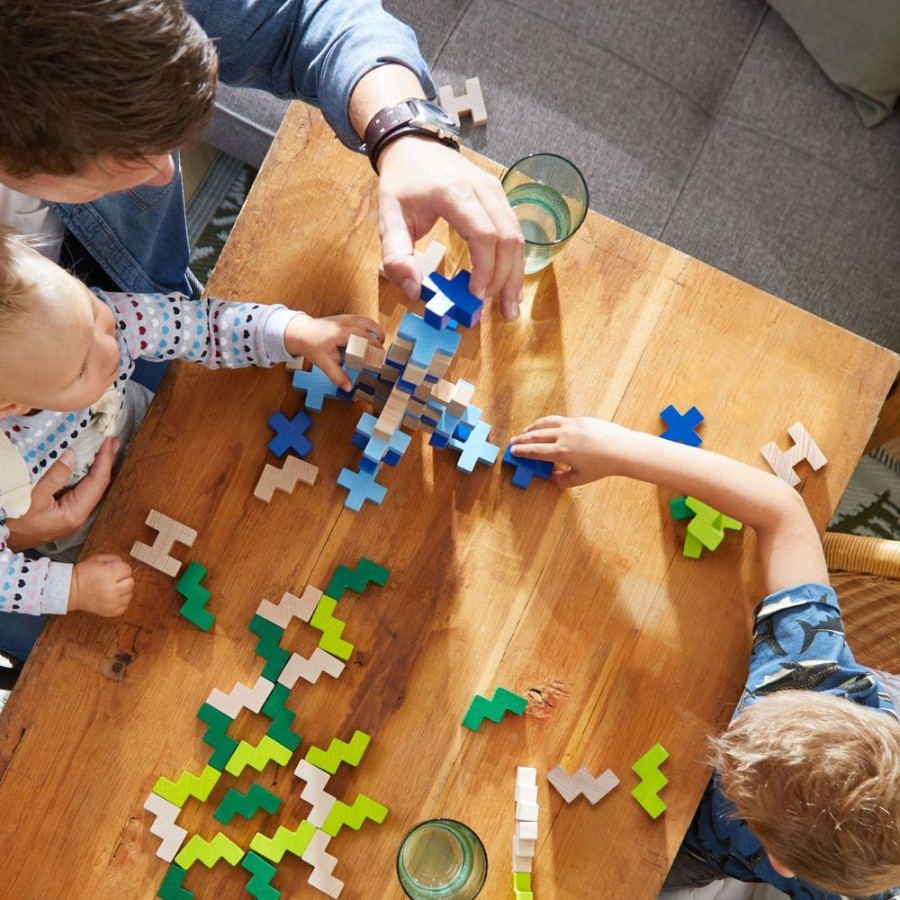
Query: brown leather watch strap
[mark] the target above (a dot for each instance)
(393, 122)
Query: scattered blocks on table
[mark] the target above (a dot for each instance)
(502, 702)
(199, 786)
(269, 646)
(471, 102)
(260, 885)
(196, 597)
(317, 385)
(364, 573)
(353, 816)
(216, 735)
(339, 751)
(652, 780)
(361, 486)
(331, 627)
(158, 555)
(782, 462)
(290, 434)
(284, 479)
(282, 718)
(682, 428)
(198, 849)
(246, 805)
(241, 697)
(582, 782)
(164, 815)
(476, 448)
(290, 607)
(314, 792)
(526, 469)
(257, 757)
(323, 864)
(283, 841)
(309, 669)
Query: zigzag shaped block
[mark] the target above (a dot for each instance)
(582, 782)
(323, 864)
(502, 702)
(331, 627)
(241, 697)
(290, 607)
(171, 835)
(196, 597)
(171, 888)
(216, 735)
(282, 717)
(363, 808)
(260, 885)
(188, 785)
(257, 757)
(314, 792)
(282, 841)
(652, 780)
(269, 646)
(357, 578)
(310, 669)
(209, 852)
(247, 805)
(339, 751)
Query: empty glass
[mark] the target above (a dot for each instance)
(442, 859)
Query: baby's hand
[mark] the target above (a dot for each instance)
(589, 447)
(102, 584)
(320, 341)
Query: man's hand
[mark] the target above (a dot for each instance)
(102, 585)
(49, 519)
(422, 181)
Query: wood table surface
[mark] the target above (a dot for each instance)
(581, 601)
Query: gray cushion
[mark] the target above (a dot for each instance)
(244, 122)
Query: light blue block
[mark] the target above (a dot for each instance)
(476, 449)
(427, 340)
(361, 487)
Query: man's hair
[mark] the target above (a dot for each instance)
(817, 779)
(80, 79)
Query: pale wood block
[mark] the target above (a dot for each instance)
(782, 462)
(522, 847)
(310, 669)
(527, 812)
(165, 813)
(471, 102)
(284, 478)
(159, 554)
(323, 864)
(355, 351)
(526, 830)
(526, 793)
(443, 391)
(241, 697)
(463, 392)
(314, 792)
(427, 261)
(582, 782)
(294, 364)
(290, 607)
(374, 357)
(440, 362)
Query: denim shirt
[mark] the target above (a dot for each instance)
(314, 50)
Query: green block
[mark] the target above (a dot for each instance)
(363, 808)
(199, 786)
(357, 579)
(339, 751)
(268, 646)
(521, 881)
(679, 509)
(196, 597)
(282, 717)
(217, 735)
(652, 780)
(259, 885)
(247, 805)
(257, 757)
(502, 702)
(171, 888)
(284, 840)
(331, 627)
(692, 547)
(209, 852)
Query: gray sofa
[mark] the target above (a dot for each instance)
(703, 123)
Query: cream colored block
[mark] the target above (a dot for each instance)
(471, 102)
(290, 607)
(284, 479)
(782, 462)
(159, 554)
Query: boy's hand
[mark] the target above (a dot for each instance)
(591, 448)
(320, 341)
(102, 584)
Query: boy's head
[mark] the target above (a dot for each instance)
(96, 93)
(817, 779)
(58, 345)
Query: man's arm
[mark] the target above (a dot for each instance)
(789, 545)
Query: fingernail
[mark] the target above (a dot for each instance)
(411, 288)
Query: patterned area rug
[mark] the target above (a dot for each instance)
(871, 505)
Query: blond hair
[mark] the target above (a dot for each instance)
(817, 779)
(15, 287)
(83, 79)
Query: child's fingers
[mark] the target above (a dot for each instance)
(536, 450)
(545, 437)
(569, 478)
(546, 422)
(332, 368)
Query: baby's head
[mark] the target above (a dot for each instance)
(57, 340)
(817, 779)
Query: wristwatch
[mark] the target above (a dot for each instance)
(411, 116)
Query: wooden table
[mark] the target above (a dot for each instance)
(582, 601)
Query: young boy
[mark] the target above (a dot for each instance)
(806, 791)
(66, 356)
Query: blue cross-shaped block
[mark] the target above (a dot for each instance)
(392, 450)
(290, 434)
(318, 386)
(476, 448)
(526, 469)
(464, 307)
(426, 340)
(681, 427)
(361, 486)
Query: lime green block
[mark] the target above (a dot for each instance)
(363, 808)
(209, 852)
(339, 751)
(692, 547)
(284, 840)
(331, 627)
(187, 785)
(521, 881)
(258, 756)
(652, 780)
(524, 895)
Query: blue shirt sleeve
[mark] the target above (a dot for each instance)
(315, 50)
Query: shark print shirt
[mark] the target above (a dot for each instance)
(798, 644)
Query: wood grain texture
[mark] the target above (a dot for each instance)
(581, 601)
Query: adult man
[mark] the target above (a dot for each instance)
(98, 94)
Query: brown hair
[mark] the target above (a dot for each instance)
(81, 79)
(817, 779)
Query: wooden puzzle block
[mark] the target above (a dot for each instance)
(361, 486)
(355, 351)
(520, 863)
(177, 792)
(164, 815)
(526, 469)
(357, 579)
(324, 620)
(465, 308)
(471, 102)
(241, 697)
(290, 434)
(314, 792)
(652, 780)
(476, 449)
(283, 841)
(317, 385)
(526, 793)
(198, 849)
(257, 757)
(527, 830)
(310, 669)
(171, 888)
(427, 261)
(681, 428)
(260, 885)
(284, 479)
(323, 864)
(463, 392)
(234, 803)
(216, 735)
(196, 597)
(363, 808)
(158, 555)
(290, 607)
(427, 341)
(582, 782)
(339, 751)
(522, 847)
(494, 709)
(782, 462)
(527, 812)
(282, 718)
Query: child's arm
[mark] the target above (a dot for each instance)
(224, 334)
(789, 544)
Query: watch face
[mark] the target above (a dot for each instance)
(434, 112)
